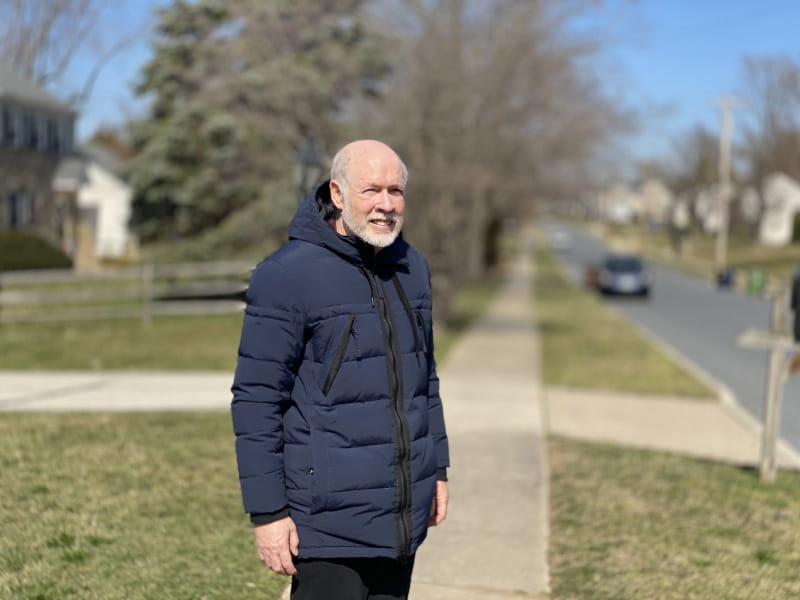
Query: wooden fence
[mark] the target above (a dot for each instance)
(121, 293)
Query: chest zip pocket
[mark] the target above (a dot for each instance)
(338, 358)
(421, 326)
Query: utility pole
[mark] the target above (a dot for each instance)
(724, 196)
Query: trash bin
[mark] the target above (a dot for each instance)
(756, 278)
(725, 278)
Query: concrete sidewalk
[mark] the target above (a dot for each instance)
(57, 391)
(493, 544)
(718, 431)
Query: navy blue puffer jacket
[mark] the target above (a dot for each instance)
(336, 406)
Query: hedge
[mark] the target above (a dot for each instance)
(21, 250)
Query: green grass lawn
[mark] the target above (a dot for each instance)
(170, 343)
(637, 525)
(468, 305)
(179, 343)
(134, 506)
(124, 506)
(585, 344)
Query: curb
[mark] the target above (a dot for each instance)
(725, 396)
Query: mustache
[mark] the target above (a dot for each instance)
(385, 217)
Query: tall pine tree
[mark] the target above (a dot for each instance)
(236, 86)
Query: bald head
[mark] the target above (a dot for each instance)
(362, 153)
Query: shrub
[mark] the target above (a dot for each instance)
(21, 250)
(796, 228)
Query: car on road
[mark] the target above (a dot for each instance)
(623, 274)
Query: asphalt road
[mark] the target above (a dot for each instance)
(702, 323)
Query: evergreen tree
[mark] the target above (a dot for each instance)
(237, 85)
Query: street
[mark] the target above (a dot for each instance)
(701, 323)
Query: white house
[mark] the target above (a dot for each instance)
(104, 204)
(750, 206)
(781, 203)
(656, 201)
(619, 204)
(707, 209)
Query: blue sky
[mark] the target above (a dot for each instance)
(678, 57)
(670, 60)
(112, 100)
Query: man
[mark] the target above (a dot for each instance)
(340, 435)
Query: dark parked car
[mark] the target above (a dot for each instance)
(623, 275)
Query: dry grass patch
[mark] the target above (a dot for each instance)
(176, 343)
(587, 345)
(639, 525)
(205, 343)
(120, 506)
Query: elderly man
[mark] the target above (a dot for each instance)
(340, 435)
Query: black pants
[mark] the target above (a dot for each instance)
(352, 579)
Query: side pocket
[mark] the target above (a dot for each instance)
(318, 472)
(338, 358)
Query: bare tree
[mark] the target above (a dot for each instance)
(772, 85)
(494, 105)
(697, 153)
(39, 38)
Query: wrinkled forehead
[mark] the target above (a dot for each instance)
(378, 168)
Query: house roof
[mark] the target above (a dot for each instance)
(102, 156)
(70, 173)
(17, 88)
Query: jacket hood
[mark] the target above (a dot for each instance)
(312, 223)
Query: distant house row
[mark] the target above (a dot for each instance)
(773, 213)
(70, 195)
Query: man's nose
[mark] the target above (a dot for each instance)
(385, 201)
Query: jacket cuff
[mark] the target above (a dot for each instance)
(441, 474)
(264, 518)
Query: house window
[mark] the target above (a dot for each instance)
(67, 126)
(41, 133)
(53, 139)
(8, 127)
(30, 136)
(19, 209)
(14, 210)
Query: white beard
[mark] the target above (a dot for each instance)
(362, 230)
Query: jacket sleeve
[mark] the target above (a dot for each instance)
(270, 351)
(436, 421)
(435, 410)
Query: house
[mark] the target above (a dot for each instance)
(39, 171)
(656, 201)
(619, 204)
(781, 196)
(707, 208)
(104, 205)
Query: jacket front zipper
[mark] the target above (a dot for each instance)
(403, 475)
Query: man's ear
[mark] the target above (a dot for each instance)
(336, 194)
